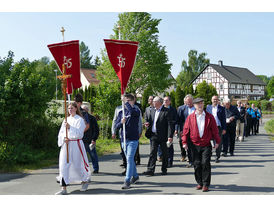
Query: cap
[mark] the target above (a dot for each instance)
(197, 100)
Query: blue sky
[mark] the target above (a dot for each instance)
(243, 39)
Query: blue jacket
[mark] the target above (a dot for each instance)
(220, 114)
(132, 115)
(182, 115)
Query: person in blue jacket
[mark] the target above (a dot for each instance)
(131, 122)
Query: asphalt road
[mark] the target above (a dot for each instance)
(249, 172)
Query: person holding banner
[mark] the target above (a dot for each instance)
(77, 169)
(131, 121)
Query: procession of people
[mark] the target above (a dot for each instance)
(200, 129)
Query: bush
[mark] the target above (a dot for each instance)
(269, 126)
(26, 134)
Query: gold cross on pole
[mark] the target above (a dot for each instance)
(63, 78)
(63, 33)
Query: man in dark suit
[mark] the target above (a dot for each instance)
(160, 130)
(219, 114)
(173, 112)
(148, 109)
(182, 114)
(232, 115)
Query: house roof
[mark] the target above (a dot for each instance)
(90, 75)
(235, 74)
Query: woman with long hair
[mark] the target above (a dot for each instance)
(77, 169)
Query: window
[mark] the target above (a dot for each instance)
(209, 75)
(92, 75)
(221, 86)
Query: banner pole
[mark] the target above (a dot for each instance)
(124, 124)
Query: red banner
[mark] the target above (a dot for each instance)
(68, 53)
(122, 56)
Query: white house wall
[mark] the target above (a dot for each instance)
(210, 75)
(84, 80)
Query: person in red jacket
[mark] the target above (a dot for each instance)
(201, 128)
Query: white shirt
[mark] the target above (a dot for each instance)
(190, 110)
(200, 123)
(214, 113)
(157, 112)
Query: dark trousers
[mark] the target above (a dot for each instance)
(123, 155)
(219, 149)
(202, 167)
(170, 154)
(248, 126)
(154, 143)
(253, 126)
(229, 139)
(183, 152)
(257, 124)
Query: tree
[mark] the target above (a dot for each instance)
(151, 68)
(25, 90)
(270, 87)
(179, 97)
(206, 92)
(196, 63)
(85, 58)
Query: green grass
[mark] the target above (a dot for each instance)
(103, 147)
(267, 112)
(28, 167)
(269, 128)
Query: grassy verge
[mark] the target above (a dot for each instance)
(267, 112)
(103, 147)
(269, 128)
(11, 168)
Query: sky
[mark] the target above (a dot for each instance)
(241, 39)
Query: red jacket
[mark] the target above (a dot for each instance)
(191, 131)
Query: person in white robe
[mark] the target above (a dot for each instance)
(77, 169)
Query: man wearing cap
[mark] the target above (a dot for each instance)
(200, 128)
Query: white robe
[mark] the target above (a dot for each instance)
(77, 170)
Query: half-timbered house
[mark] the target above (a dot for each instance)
(231, 82)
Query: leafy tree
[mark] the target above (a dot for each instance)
(206, 92)
(85, 58)
(151, 68)
(25, 90)
(179, 97)
(270, 87)
(196, 62)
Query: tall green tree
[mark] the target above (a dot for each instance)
(191, 68)
(151, 68)
(179, 97)
(85, 57)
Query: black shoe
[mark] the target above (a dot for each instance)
(231, 154)
(122, 165)
(124, 173)
(217, 160)
(138, 163)
(224, 155)
(148, 173)
(95, 172)
(164, 173)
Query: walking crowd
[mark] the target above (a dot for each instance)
(199, 128)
